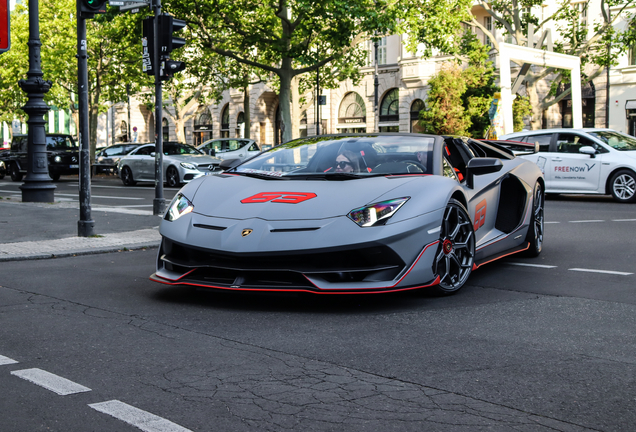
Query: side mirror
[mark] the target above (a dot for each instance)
(481, 166)
(227, 164)
(588, 150)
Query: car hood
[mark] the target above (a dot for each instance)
(195, 159)
(239, 197)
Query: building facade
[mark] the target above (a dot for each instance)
(401, 93)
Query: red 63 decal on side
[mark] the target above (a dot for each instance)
(480, 215)
(279, 197)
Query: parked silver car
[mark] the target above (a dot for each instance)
(106, 159)
(181, 164)
(230, 148)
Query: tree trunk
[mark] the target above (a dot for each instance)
(246, 111)
(295, 107)
(284, 98)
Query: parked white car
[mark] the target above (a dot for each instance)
(584, 161)
(230, 148)
(182, 163)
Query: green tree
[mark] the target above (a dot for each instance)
(114, 60)
(445, 113)
(286, 38)
(589, 43)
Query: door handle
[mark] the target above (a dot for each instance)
(557, 160)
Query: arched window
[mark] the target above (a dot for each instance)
(389, 108)
(123, 132)
(165, 127)
(416, 107)
(225, 122)
(352, 109)
(202, 126)
(240, 125)
(588, 102)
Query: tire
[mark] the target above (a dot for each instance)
(172, 177)
(16, 176)
(535, 230)
(623, 186)
(127, 177)
(55, 177)
(456, 252)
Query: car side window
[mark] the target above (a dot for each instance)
(145, 151)
(571, 143)
(254, 147)
(19, 145)
(233, 145)
(543, 140)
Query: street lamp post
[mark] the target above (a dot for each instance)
(37, 186)
(376, 84)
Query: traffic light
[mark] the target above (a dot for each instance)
(90, 7)
(148, 46)
(167, 26)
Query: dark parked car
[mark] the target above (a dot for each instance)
(4, 158)
(106, 159)
(62, 151)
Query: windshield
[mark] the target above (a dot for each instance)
(60, 143)
(180, 149)
(616, 140)
(345, 156)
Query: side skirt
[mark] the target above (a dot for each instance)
(512, 251)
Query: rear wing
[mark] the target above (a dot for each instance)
(514, 147)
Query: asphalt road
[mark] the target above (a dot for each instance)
(543, 344)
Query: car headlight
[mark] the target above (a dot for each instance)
(179, 206)
(57, 159)
(376, 214)
(188, 165)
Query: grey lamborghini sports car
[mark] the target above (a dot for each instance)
(354, 214)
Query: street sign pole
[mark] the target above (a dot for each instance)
(159, 203)
(85, 225)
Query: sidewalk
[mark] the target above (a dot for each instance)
(49, 230)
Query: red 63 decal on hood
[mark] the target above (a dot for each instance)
(279, 197)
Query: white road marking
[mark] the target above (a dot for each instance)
(50, 381)
(586, 221)
(139, 418)
(532, 265)
(623, 220)
(602, 271)
(6, 360)
(551, 222)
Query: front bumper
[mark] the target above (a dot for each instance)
(392, 258)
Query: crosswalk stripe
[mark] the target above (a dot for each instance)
(141, 419)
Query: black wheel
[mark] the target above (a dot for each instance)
(172, 177)
(55, 177)
(456, 253)
(535, 230)
(623, 186)
(127, 177)
(15, 172)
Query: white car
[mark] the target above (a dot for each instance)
(182, 163)
(584, 161)
(230, 148)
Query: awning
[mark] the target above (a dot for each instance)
(630, 104)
